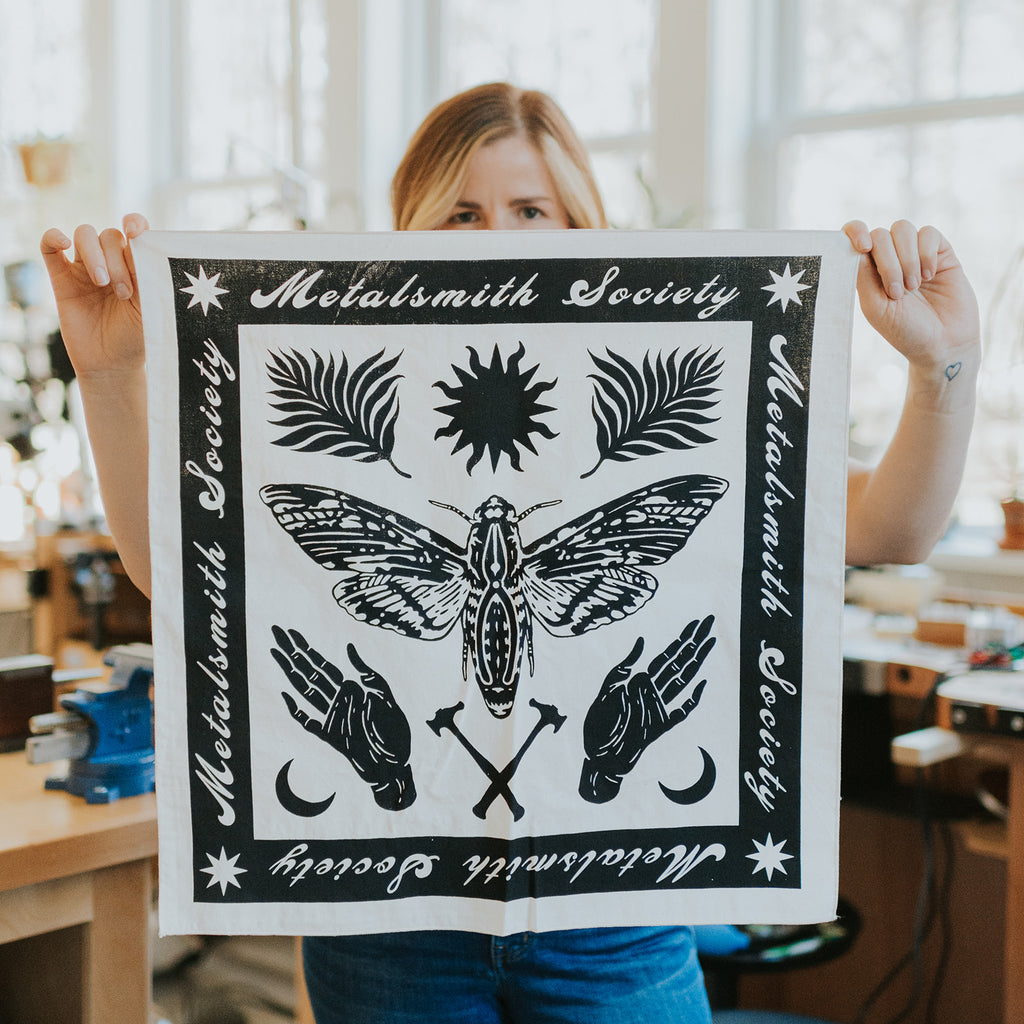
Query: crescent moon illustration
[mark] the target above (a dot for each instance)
(290, 801)
(700, 789)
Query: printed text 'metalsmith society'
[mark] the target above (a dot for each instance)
(305, 288)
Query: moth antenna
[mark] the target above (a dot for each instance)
(533, 508)
(451, 508)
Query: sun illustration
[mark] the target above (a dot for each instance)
(494, 408)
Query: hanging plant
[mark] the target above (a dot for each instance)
(46, 162)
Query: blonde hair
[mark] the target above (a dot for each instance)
(430, 177)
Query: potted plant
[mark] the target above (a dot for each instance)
(1001, 394)
(46, 161)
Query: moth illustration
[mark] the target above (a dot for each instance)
(397, 574)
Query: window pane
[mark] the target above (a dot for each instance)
(240, 103)
(45, 88)
(991, 42)
(238, 87)
(620, 177)
(966, 177)
(44, 79)
(252, 207)
(593, 56)
(315, 75)
(835, 176)
(871, 53)
(853, 53)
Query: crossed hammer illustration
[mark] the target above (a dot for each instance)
(499, 779)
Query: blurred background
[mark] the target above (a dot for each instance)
(293, 114)
(271, 114)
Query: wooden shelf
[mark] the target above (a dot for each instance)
(75, 896)
(987, 838)
(62, 629)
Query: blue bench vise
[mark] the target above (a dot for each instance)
(105, 732)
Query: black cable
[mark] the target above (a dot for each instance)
(933, 898)
(879, 990)
(924, 918)
(945, 923)
(925, 908)
(925, 911)
(928, 701)
(933, 901)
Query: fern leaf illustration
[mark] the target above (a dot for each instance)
(331, 409)
(657, 406)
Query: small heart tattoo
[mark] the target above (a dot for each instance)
(953, 369)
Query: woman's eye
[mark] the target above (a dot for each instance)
(532, 212)
(463, 217)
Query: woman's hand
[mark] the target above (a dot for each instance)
(97, 297)
(913, 291)
(101, 325)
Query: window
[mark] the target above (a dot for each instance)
(45, 99)
(45, 114)
(247, 135)
(215, 116)
(905, 108)
(565, 49)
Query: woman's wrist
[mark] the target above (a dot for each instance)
(109, 385)
(945, 385)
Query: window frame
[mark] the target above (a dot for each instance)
(778, 120)
(775, 122)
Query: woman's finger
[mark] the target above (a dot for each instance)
(89, 253)
(887, 263)
(54, 241)
(858, 234)
(904, 237)
(54, 246)
(115, 250)
(930, 242)
(134, 224)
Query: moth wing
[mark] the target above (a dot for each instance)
(422, 608)
(568, 606)
(397, 573)
(592, 570)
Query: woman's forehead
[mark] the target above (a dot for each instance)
(511, 161)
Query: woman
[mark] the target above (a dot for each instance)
(500, 158)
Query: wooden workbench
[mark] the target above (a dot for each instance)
(75, 899)
(1008, 844)
(882, 860)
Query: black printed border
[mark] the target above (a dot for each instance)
(550, 865)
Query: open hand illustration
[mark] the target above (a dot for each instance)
(360, 717)
(632, 710)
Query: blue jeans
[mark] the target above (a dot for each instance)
(595, 975)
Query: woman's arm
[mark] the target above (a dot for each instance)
(913, 291)
(101, 324)
(911, 287)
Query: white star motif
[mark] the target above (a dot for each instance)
(786, 288)
(222, 871)
(769, 857)
(203, 290)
